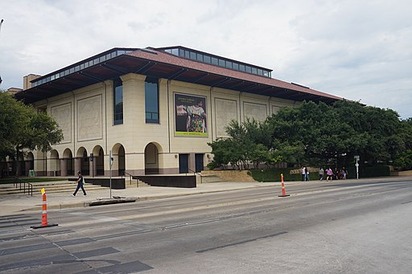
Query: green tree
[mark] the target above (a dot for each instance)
(311, 133)
(248, 143)
(319, 134)
(381, 131)
(339, 132)
(23, 128)
(226, 151)
(404, 160)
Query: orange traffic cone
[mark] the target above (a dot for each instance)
(44, 222)
(283, 187)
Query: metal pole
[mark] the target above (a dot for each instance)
(110, 182)
(357, 158)
(111, 163)
(1, 23)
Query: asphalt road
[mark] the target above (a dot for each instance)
(321, 228)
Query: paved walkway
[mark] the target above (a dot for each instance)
(19, 203)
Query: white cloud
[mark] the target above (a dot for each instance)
(355, 49)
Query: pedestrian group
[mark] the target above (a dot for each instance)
(328, 174)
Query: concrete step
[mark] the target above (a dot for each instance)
(11, 189)
(135, 183)
(141, 184)
(50, 187)
(57, 186)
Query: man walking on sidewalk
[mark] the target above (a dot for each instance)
(80, 182)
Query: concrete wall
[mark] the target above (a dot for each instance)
(86, 118)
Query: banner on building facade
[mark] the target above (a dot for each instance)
(190, 115)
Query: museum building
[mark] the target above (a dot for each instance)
(139, 111)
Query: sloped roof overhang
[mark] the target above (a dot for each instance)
(157, 63)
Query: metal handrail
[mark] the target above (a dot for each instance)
(26, 186)
(197, 173)
(130, 177)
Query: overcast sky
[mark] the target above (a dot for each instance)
(356, 49)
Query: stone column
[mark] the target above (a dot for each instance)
(63, 167)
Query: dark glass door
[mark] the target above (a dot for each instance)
(183, 163)
(199, 162)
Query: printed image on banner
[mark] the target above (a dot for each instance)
(190, 115)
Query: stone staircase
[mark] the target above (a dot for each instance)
(135, 183)
(57, 186)
(51, 187)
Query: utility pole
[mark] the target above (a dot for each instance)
(1, 23)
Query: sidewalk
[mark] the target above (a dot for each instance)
(20, 203)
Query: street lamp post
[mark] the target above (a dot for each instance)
(110, 164)
(1, 23)
(357, 165)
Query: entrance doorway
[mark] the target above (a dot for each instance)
(151, 159)
(199, 162)
(183, 163)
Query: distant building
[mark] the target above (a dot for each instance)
(153, 109)
(28, 79)
(13, 91)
